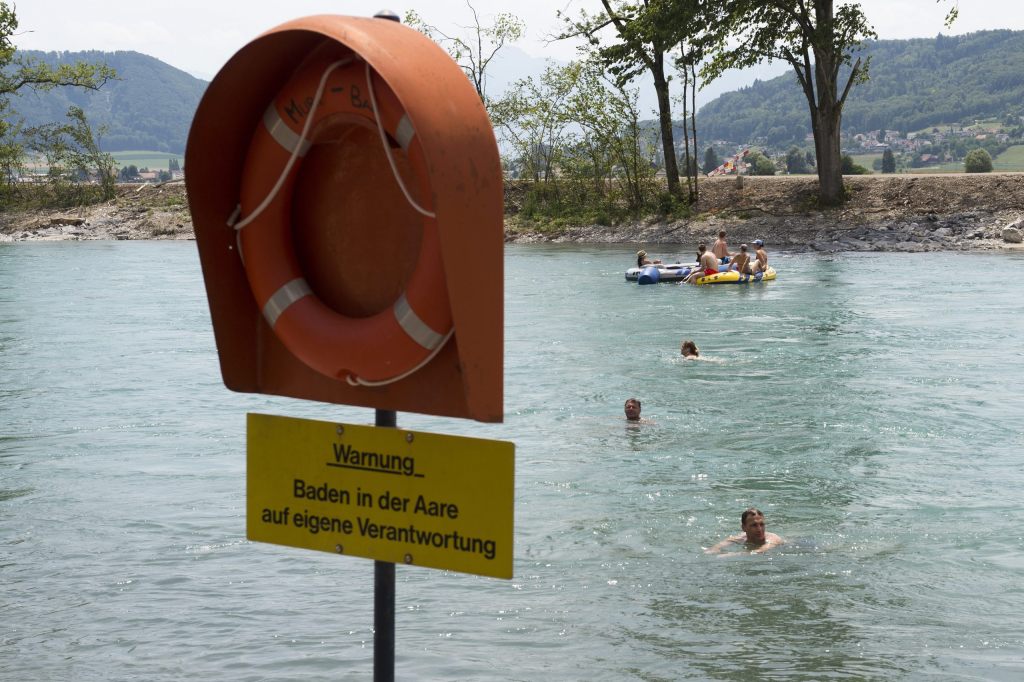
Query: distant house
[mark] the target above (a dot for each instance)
(149, 176)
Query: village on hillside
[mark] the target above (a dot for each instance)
(936, 149)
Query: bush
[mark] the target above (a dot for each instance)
(760, 164)
(848, 167)
(978, 161)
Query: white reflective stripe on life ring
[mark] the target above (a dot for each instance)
(418, 330)
(404, 132)
(282, 134)
(289, 293)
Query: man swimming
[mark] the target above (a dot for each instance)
(754, 537)
(632, 409)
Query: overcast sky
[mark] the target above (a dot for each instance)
(199, 36)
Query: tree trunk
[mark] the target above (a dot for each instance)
(828, 112)
(830, 169)
(668, 145)
(693, 125)
(686, 135)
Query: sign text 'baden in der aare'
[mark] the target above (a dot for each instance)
(382, 493)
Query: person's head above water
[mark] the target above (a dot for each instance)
(689, 349)
(752, 523)
(633, 410)
(755, 536)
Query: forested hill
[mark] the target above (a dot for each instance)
(914, 84)
(149, 107)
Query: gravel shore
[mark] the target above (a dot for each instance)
(884, 213)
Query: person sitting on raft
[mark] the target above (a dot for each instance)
(641, 259)
(708, 265)
(741, 261)
(760, 263)
(689, 350)
(721, 248)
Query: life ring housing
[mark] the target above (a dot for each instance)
(385, 346)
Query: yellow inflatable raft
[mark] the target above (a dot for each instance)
(734, 277)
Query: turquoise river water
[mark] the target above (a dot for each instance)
(872, 405)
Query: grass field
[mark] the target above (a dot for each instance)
(146, 159)
(951, 167)
(1010, 160)
(867, 160)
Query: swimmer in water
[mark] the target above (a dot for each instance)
(755, 538)
(689, 350)
(632, 409)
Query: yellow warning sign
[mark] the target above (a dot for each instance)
(381, 493)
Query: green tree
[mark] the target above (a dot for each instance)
(796, 162)
(173, 164)
(817, 40)
(978, 161)
(577, 136)
(610, 118)
(645, 33)
(18, 73)
(687, 24)
(474, 49)
(531, 119)
(759, 163)
(711, 161)
(73, 156)
(888, 162)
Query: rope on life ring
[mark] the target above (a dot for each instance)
(370, 351)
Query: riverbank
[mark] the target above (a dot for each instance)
(883, 213)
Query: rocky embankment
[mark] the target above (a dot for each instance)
(883, 213)
(137, 212)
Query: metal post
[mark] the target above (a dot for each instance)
(384, 597)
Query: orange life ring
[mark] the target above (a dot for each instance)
(377, 349)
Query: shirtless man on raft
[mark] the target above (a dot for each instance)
(754, 537)
(708, 265)
(741, 261)
(721, 248)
